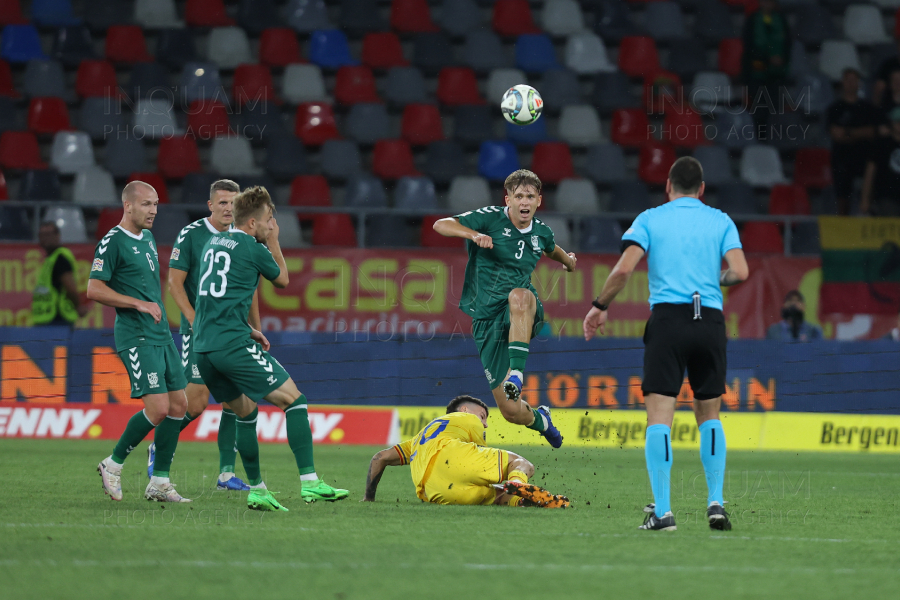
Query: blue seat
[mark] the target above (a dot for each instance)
(359, 17)
(40, 185)
(15, 224)
(600, 235)
(432, 52)
(147, 78)
(201, 81)
(473, 125)
(257, 15)
(20, 43)
(286, 157)
(535, 53)
(527, 135)
(496, 160)
(306, 16)
(630, 197)
(73, 44)
(415, 193)
(175, 48)
(365, 191)
(53, 13)
(260, 122)
(444, 160)
(328, 48)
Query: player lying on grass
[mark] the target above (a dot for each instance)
(504, 246)
(450, 463)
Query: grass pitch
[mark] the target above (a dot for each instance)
(805, 526)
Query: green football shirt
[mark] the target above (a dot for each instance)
(230, 267)
(129, 265)
(492, 273)
(186, 256)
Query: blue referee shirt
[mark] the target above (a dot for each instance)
(685, 241)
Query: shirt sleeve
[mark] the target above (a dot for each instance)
(639, 232)
(265, 262)
(105, 257)
(182, 253)
(405, 450)
(549, 241)
(474, 219)
(731, 239)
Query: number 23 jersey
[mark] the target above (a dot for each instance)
(230, 266)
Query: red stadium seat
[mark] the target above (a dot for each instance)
(315, 123)
(552, 161)
(333, 230)
(11, 13)
(429, 238)
(109, 218)
(20, 150)
(48, 115)
(4, 192)
(178, 156)
(355, 85)
(126, 44)
(630, 127)
(789, 199)
(458, 86)
(812, 168)
(382, 50)
(638, 56)
(411, 16)
(207, 119)
(762, 236)
(393, 159)
(310, 190)
(154, 179)
(7, 88)
(513, 18)
(731, 51)
(206, 13)
(96, 78)
(684, 129)
(279, 47)
(663, 92)
(421, 124)
(253, 83)
(654, 162)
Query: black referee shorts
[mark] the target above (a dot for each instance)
(674, 341)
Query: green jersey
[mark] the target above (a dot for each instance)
(492, 273)
(186, 256)
(229, 274)
(129, 265)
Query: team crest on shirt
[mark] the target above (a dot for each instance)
(136, 251)
(195, 371)
(176, 252)
(153, 380)
(98, 265)
(507, 231)
(535, 243)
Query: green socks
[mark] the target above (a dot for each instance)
(540, 424)
(186, 421)
(166, 439)
(137, 429)
(518, 354)
(244, 432)
(226, 440)
(299, 435)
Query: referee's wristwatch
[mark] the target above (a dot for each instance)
(603, 307)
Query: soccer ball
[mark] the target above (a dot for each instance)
(521, 105)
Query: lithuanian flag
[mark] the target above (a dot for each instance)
(860, 265)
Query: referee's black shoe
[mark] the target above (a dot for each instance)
(654, 523)
(718, 518)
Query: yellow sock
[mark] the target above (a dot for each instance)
(518, 476)
(515, 501)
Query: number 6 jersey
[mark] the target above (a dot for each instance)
(231, 263)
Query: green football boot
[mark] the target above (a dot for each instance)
(311, 491)
(262, 499)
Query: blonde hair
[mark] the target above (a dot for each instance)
(249, 203)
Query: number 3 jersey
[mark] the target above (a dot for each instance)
(492, 273)
(186, 255)
(230, 266)
(129, 265)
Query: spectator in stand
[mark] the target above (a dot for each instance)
(881, 181)
(852, 123)
(894, 334)
(56, 300)
(767, 54)
(882, 84)
(793, 325)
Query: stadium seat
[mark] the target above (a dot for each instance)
(429, 238)
(535, 53)
(716, 165)
(329, 49)
(444, 160)
(260, 122)
(11, 13)
(340, 159)
(20, 150)
(863, 25)
(638, 56)
(630, 127)
(761, 166)
(731, 51)
(604, 164)
(364, 191)
(562, 17)
(789, 199)
(740, 123)
(393, 159)
(737, 198)
(654, 162)
(228, 47)
(788, 130)
(71, 151)
(70, 221)
(762, 237)
(579, 125)
(355, 85)
(153, 119)
(107, 13)
(411, 16)
(206, 13)
(483, 51)
(421, 124)
(415, 193)
(195, 187)
(629, 197)
(473, 125)
(460, 17)
(146, 79)
(552, 162)
(96, 79)
(513, 17)
(382, 50)
(388, 231)
(560, 88)
(815, 92)
(95, 185)
(207, 119)
(496, 160)
(124, 155)
(812, 168)
(233, 155)
(612, 91)
(103, 118)
(290, 234)
(279, 47)
(334, 230)
(664, 21)
(20, 43)
(310, 190)
(48, 115)
(40, 184)
(303, 83)
(432, 52)
(200, 81)
(168, 224)
(458, 86)
(109, 218)
(307, 16)
(359, 17)
(7, 88)
(613, 20)
(405, 85)
(9, 115)
(156, 14)
(368, 123)
(713, 22)
(813, 24)
(527, 135)
(253, 83)
(663, 92)
(578, 196)
(687, 58)
(158, 184)
(468, 193)
(256, 16)
(600, 235)
(178, 156)
(73, 44)
(501, 80)
(176, 48)
(585, 54)
(805, 239)
(562, 233)
(45, 78)
(684, 129)
(286, 157)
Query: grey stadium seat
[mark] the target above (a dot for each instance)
(577, 196)
(736, 199)
(368, 123)
(340, 159)
(605, 164)
(716, 165)
(415, 193)
(630, 197)
(286, 157)
(483, 51)
(405, 85)
(560, 88)
(125, 155)
(365, 191)
(444, 160)
(600, 235)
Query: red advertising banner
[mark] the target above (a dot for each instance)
(415, 293)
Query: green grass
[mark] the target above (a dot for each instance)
(806, 526)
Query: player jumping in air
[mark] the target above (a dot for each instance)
(450, 464)
(504, 246)
(125, 275)
(230, 354)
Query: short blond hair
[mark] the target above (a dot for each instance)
(519, 178)
(250, 202)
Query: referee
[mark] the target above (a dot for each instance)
(685, 241)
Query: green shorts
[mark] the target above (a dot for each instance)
(189, 361)
(245, 369)
(492, 338)
(153, 369)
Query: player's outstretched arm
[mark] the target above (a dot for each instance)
(615, 283)
(567, 259)
(176, 288)
(386, 458)
(98, 291)
(451, 227)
